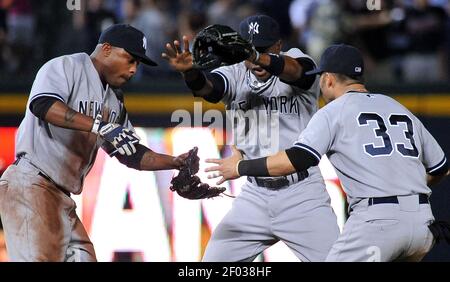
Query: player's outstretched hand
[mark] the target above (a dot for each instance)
(226, 168)
(179, 60)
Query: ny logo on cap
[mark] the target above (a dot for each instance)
(358, 69)
(144, 43)
(253, 28)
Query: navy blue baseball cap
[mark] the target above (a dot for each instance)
(262, 30)
(342, 59)
(129, 38)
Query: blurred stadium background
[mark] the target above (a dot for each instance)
(406, 44)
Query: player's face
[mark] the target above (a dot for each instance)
(258, 71)
(120, 67)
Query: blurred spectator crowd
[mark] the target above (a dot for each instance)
(403, 41)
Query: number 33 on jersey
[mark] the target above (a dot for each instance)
(365, 136)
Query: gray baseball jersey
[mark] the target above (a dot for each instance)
(66, 155)
(377, 146)
(300, 214)
(286, 107)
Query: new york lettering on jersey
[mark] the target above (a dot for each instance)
(93, 108)
(285, 108)
(60, 78)
(281, 104)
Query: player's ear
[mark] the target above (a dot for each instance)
(106, 49)
(330, 80)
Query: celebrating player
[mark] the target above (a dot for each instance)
(75, 107)
(382, 153)
(295, 208)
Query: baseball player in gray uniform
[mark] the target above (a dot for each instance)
(294, 208)
(75, 107)
(383, 155)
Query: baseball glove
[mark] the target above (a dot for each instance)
(188, 185)
(219, 45)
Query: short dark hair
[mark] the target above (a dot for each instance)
(349, 79)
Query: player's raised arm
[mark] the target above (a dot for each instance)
(180, 60)
(202, 84)
(285, 67)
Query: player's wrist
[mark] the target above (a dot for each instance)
(237, 168)
(254, 167)
(190, 74)
(97, 125)
(276, 64)
(195, 80)
(177, 163)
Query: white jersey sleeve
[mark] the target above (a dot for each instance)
(55, 79)
(432, 157)
(317, 137)
(297, 54)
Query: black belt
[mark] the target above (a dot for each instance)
(423, 199)
(277, 183)
(41, 174)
